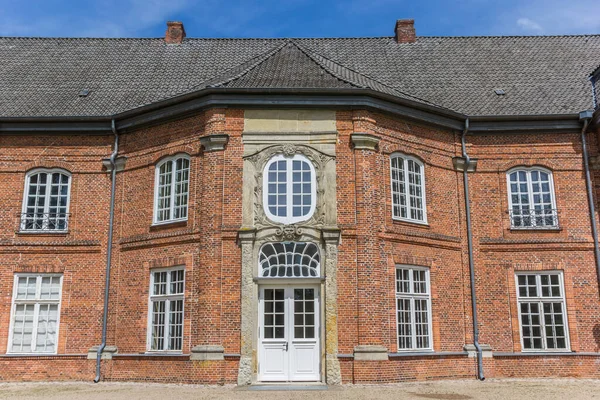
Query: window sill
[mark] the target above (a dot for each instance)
(179, 223)
(43, 233)
(408, 222)
(536, 230)
(427, 353)
(541, 354)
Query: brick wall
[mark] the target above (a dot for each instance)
(372, 245)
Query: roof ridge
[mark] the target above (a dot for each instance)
(271, 54)
(261, 59)
(390, 90)
(251, 63)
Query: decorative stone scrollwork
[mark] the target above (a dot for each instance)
(260, 159)
(288, 232)
(289, 150)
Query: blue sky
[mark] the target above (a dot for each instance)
(296, 18)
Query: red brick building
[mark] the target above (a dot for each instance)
(261, 210)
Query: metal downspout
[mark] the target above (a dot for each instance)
(588, 182)
(594, 97)
(113, 164)
(480, 374)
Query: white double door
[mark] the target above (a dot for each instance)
(289, 334)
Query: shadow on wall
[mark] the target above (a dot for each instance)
(596, 332)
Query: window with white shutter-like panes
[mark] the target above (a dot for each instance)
(172, 189)
(542, 311)
(408, 189)
(413, 308)
(35, 314)
(46, 201)
(289, 189)
(167, 287)
(531, 199)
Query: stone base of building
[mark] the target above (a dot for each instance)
(397, 368)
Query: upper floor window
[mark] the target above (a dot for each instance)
(167, 287)
(171, 189)
(408, 189)
(542, 311)
(413, 308)
(289, 189)
(35, 313)
(46, 201)
(531, 199)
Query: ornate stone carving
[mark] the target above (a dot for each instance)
(289, 150)
(260, 159)
(288, 232)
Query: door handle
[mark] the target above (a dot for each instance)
(286, 346)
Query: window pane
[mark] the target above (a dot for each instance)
(175, 324)
(277, 188)
(35, 323)
(158, 325)
(404, 324)
(301, 188)
(23, 328)
(46, 328)
(160, 283)
(542, 321)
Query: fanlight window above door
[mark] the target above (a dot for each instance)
(289, 260)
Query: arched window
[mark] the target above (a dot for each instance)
(46, 200)
(171, 189)
(289, 259)
(289, 189)
(531, 198)
(408, 189)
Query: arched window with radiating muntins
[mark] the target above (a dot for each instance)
(531, 199)
(289, 260)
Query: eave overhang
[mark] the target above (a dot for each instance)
(188, 104)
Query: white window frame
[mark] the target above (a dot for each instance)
(540, 300)
(168, 298)
(528, 171)
(170, 159)
(47, 171)
(289, 219)
(412, 296)
(37, 303)
(405, 158)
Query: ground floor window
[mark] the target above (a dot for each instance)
(542, 311)
(413, 308)
(35, 313)
(166, 309)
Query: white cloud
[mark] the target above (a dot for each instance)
(551, 17)
(529, 26)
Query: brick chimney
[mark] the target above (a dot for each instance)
(405, 31)
(175, 32)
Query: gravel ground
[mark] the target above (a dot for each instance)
(513, 389)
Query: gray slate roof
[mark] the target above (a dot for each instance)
(540, 74)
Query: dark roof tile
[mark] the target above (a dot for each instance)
(539, 74)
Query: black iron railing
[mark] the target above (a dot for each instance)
(531, 218)
(44, 222)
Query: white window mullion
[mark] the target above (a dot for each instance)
(173, 185)
(289, 183)
(36, 316)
